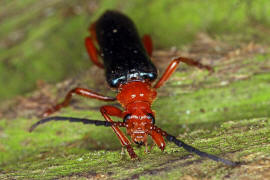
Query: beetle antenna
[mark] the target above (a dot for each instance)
(191, 149)
(198, 152)
(82, 120)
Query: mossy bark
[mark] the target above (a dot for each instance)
(225, 113)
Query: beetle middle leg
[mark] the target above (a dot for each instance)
(174, 64)
(108, 111)
(80, 91)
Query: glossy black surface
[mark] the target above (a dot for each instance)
(122, 51)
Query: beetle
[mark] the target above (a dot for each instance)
(129, 69)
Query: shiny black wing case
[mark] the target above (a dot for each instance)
(124, 56)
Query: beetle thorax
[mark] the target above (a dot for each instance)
(136, 91)
(137, 97)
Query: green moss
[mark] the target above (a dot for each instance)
(87, 151)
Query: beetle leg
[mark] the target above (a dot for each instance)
(92, 52)
(148, 44)
(92, 30)
(173, 65)
(146, 148)
(91, 48)
(108, 111)
(158, 139)
(80, 91)
(112, 111)
(122, 151)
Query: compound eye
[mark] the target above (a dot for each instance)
(126, 118)
(150, 116)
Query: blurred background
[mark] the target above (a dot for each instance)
(42, 57)
(43, 41)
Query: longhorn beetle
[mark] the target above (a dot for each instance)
(129, 69)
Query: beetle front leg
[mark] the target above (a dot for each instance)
(158, 139)
(108, 111)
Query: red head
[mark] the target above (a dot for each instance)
(136, 97)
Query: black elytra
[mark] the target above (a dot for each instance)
(122, 51)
